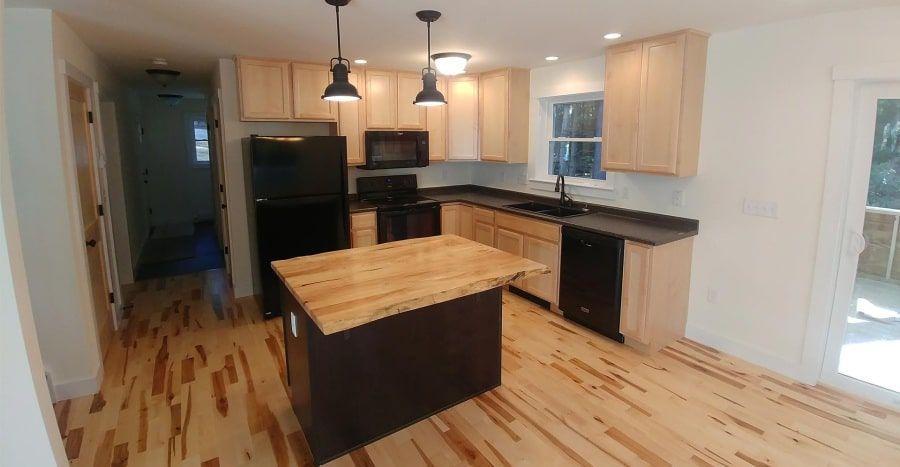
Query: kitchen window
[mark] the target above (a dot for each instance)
(198, 140)
(572, 141)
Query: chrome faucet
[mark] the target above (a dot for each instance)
(564, 199)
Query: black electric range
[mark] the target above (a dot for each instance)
(402, 212)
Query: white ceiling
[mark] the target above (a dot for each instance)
(191, 34)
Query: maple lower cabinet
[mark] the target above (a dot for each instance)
(351, 124)
(436, 124)
(381, 99)
(409, 115)
(548, 253)
(483, 225)
(309, 82)
(462, 118)
(264, 88)
(450, 219)
(655, 284)
(503, 115)
(536, 240)
(363, 229)
(652, 124)
(466, 222)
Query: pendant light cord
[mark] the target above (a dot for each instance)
(337, 15)
(428, 58)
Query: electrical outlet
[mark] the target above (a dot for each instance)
(712, 295)
(760, 208)
(678, 198)
(624, 193)
(444, 174)
(522, 180)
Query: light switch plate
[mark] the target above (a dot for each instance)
(293, 324)
(761, 208)
(678, 198)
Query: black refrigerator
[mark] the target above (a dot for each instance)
(299, 202)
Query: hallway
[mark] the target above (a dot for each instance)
(184, 254)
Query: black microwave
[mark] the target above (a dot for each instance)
(396, 149)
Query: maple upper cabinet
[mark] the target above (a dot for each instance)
(309, 82)
(651, 121)
(409, 116)
(436, 124)
(351, 123)
(264, 89)
(381, 99)
(503, 115)
(462, 118)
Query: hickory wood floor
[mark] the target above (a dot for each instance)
(197, 379)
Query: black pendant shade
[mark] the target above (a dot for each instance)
(340, 89)
(429, 95)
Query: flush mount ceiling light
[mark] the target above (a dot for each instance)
(551, 58)
(163, 76)
(171, 99)
(612, 36)
(429, 95)
(451, 63)
(360, 61)
(340, 88)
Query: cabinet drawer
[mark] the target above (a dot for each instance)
(363, 220)
(485, 216)
(539, 229)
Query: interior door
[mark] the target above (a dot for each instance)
(91, 221)
(864, 336)
(221, 190)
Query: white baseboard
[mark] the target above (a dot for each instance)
(753, 355)
(71, 389)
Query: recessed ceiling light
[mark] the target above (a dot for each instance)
(612, 36)
(551, 58)
(360, 61)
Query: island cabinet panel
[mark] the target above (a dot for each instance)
(363, 229)
(450, 219)
(309, 81)
(503, 115)
(652, 121)
(351, 123)
(462, 118)
(655, 285)
(409, 116)
(381, 100)
(264, 88)
(436, 124)
(413, 365)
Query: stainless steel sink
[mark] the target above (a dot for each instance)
(547, 209)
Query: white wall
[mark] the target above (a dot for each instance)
(38, 44)
(28, 433)
(179, 191)
(764, 136)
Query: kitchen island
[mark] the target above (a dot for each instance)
(378, 338)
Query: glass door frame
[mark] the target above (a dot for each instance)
(852, 242)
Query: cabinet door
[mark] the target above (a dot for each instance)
(381, 99)
(635, 291)
(662, 73)
(409, 116)
(511, 242)
(462, 118)
(621, 102)
(363, 237)
(450, 219)
(436, 124)
(493, 115)
(546, 253)
(350, 125)
(264, 89)
(466, 222)
(484, 233)
(309, 81)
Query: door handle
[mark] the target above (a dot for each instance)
(91, 243)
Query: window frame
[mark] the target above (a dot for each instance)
(541, 160)
(189, 120)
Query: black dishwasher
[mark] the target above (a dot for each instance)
(590, 280)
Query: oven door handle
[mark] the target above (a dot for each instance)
(403, 212)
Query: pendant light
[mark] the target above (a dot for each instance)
(429, 95)
(451, 63)
(340, 88)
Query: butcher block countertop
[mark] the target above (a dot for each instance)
(343, 289)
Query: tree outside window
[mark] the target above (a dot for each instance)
(884, 180)
(576, 139)
(200, 134)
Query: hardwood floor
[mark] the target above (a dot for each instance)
(197, 379)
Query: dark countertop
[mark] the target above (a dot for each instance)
(360, 206)
(642, 227)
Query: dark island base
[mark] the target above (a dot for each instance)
(354, 387)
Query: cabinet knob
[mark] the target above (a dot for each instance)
(91, 243)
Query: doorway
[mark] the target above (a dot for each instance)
(863, 349)
(91, 218)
